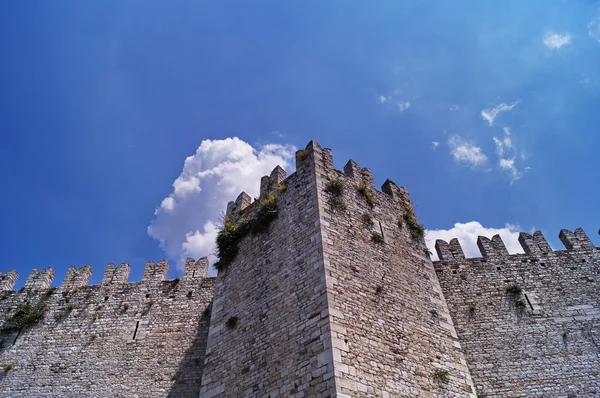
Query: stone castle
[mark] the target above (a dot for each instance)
(325, 289)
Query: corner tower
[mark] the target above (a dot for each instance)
(336, 298)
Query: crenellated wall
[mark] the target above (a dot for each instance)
(116, 339)
(335, 297)
(529, 323)
(391, 329)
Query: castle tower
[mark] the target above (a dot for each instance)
(335, 297)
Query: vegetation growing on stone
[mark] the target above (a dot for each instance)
(520, 303)
(232, 233)
(513, 289)
(281, 188)
(303, 154)
(26, 315)
(267, 212)
(7, 367)
(335, 189)
(362, 189)
(417, 232)
(440, 376)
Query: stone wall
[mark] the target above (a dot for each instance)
(529, 323)
(269, 334)
(391, 331)
(117, 339)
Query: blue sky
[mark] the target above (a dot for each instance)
(102, 102)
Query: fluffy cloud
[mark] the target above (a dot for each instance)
(435, 144)
(491, 114)
(214, 175)
(555, 40)
(467, 234)
(465, 152)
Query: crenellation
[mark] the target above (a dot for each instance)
(449, 251)
(39, 280)
(235, 208)
(116, 275)
(77, 277)
(491, 247)
(575, 240)
(195, 269)
(534, 245)
(8, 280)
(155, 272)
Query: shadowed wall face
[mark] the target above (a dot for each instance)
(529, 323)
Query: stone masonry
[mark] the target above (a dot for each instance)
(336, 298)
(116, 339)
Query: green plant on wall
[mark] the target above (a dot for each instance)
(232, 233)
(417, 232)
(26, 315)
(513, 289)
(362, 189)
(335, 189)
(440, 376)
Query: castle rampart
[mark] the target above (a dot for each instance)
(119, 338)
(325, 289)
(529, 323)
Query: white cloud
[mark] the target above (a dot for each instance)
(594, 27)
(506, 151)
(467, 234)
(185, 223)
(435, 144)
(400, 105)
(491, 114)
(403, 105)
(555, 40)
(465, 152)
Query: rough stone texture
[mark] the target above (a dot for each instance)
(322, 310)
(85, 345)
(391, 328)
(281, 345)
(540, 342)
(335, 299)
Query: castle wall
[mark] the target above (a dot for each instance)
(529, 323)
(275, 290)
(392, 335)
(117, 339)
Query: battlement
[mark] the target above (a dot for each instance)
(534, 245)
(315, 159)
(154, 273)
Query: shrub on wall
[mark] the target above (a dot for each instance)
(26, 315)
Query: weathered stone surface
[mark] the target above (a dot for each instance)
(541, 341)
(138, 339)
